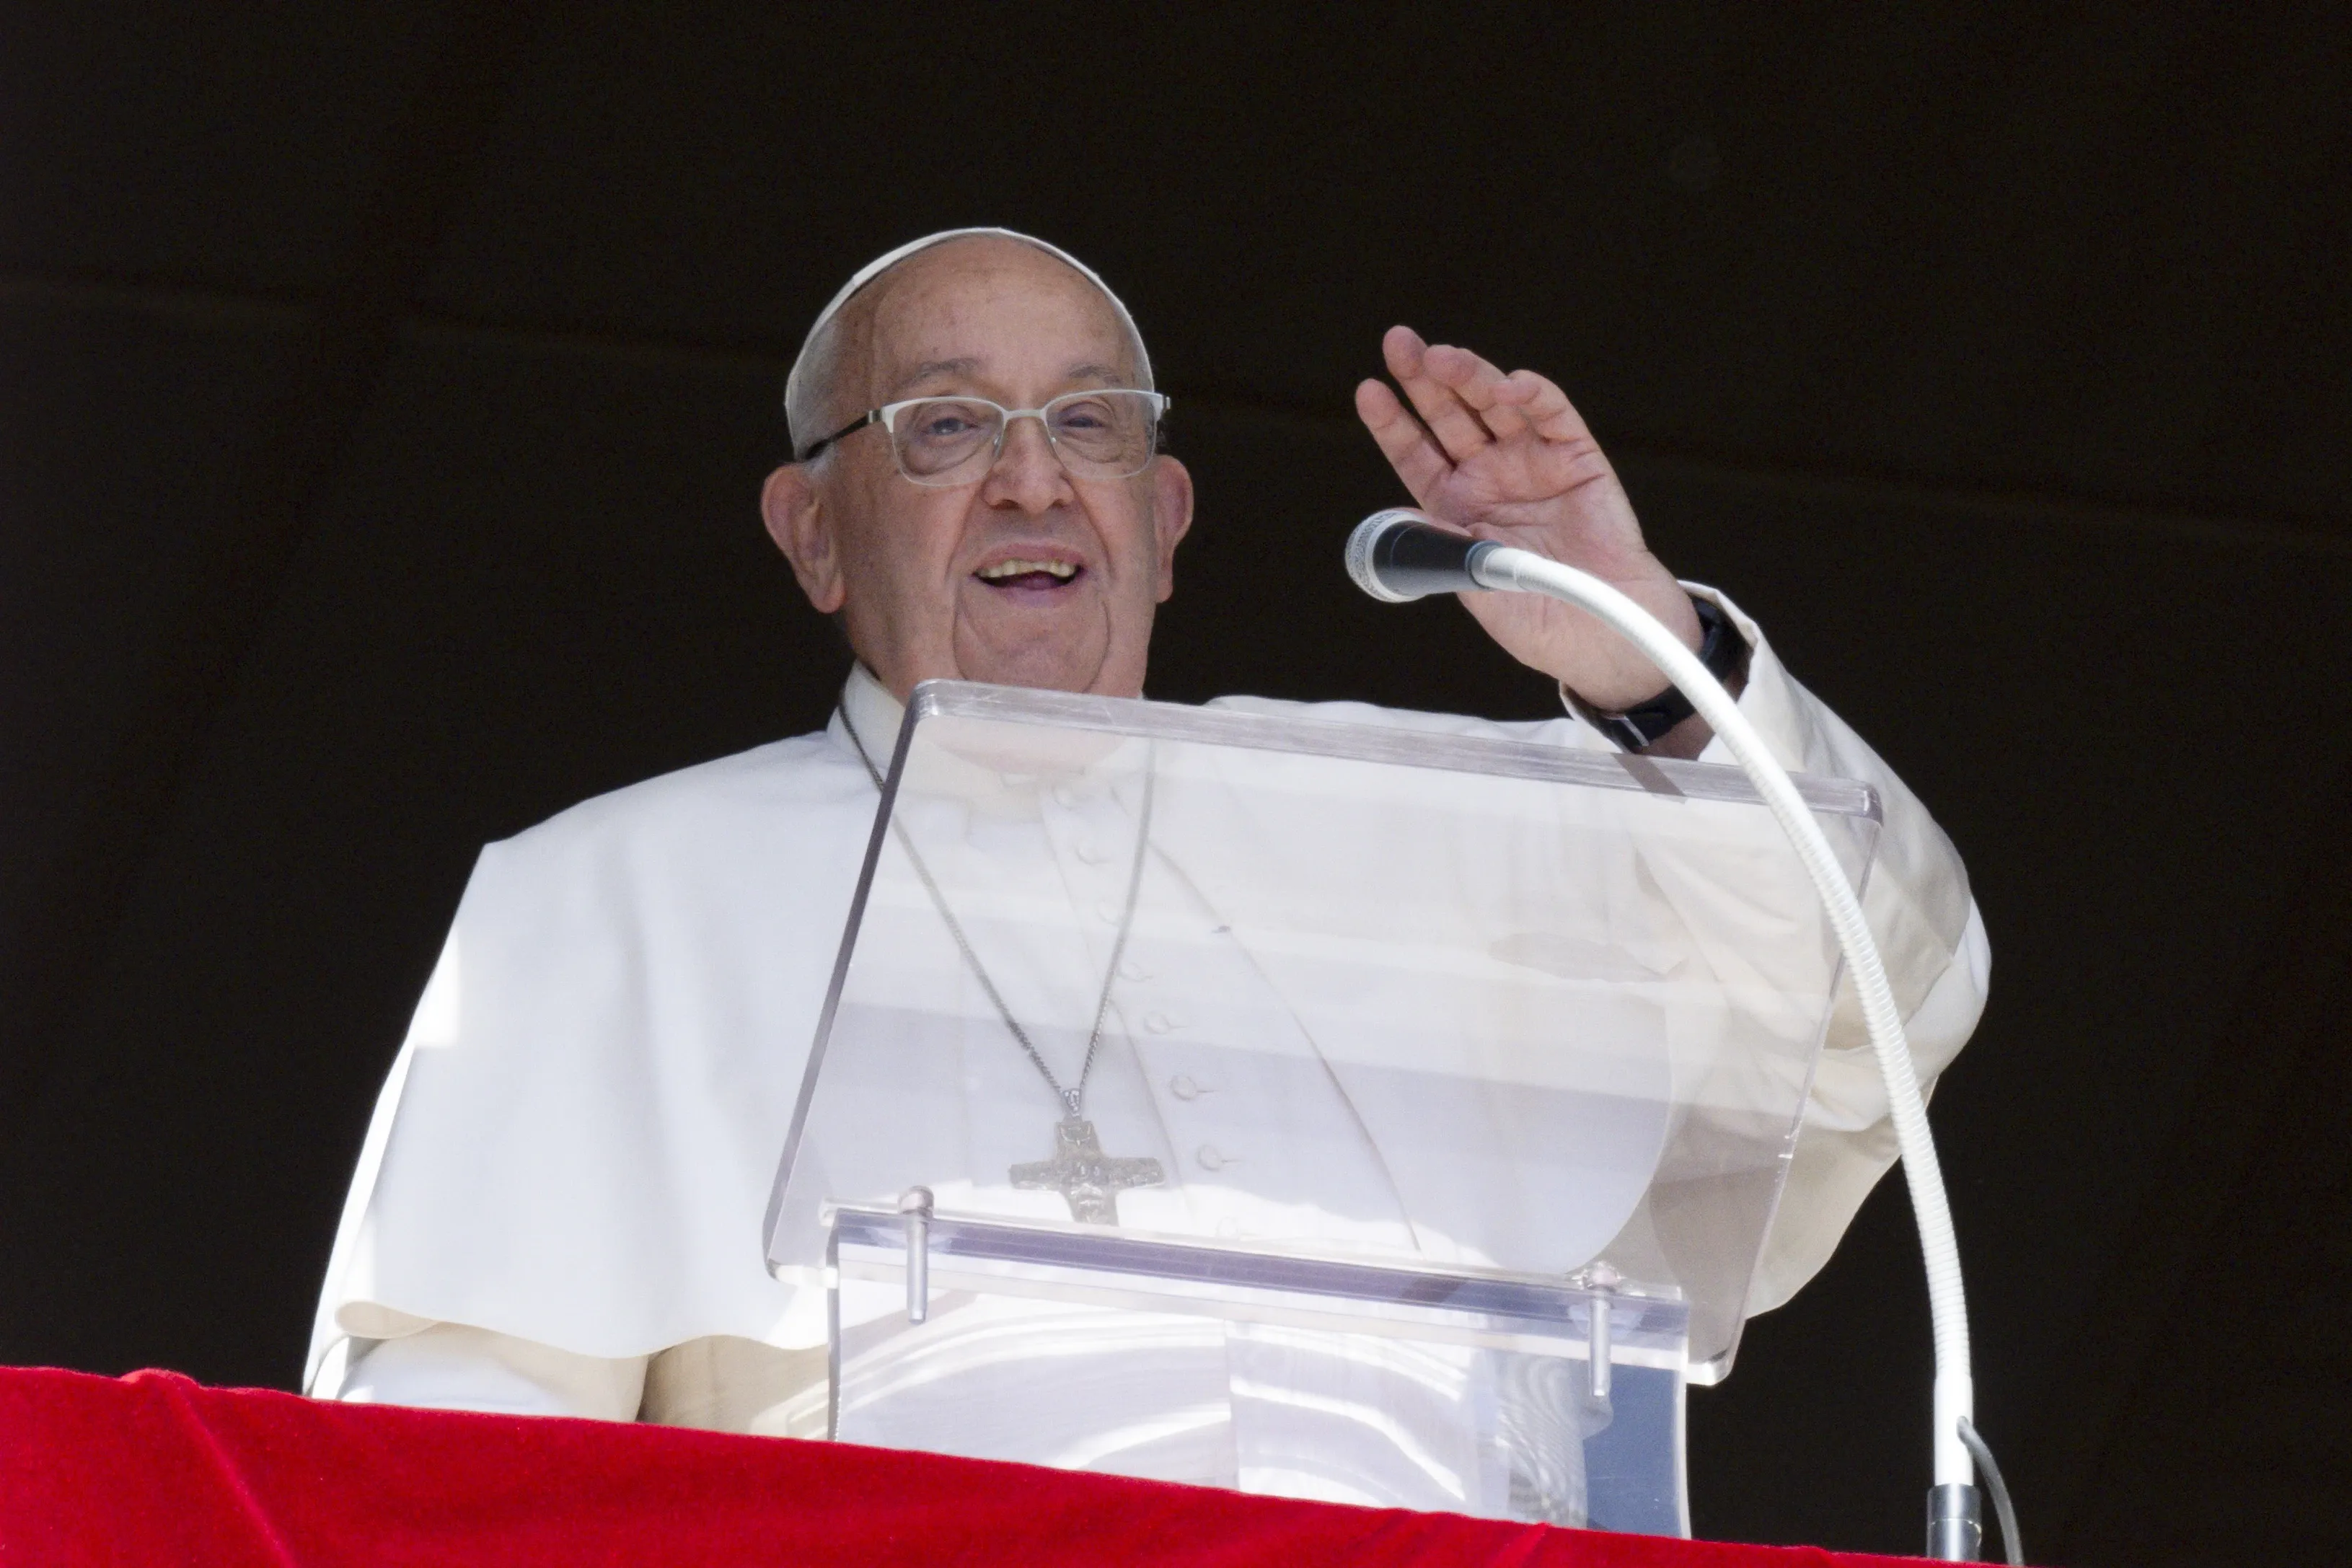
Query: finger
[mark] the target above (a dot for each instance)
(1402, 441)
(1480, 384)
(1453, 422)
(1546, 407)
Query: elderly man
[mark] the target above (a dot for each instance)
(557, 1206)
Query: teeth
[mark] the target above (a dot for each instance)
(1061, 569)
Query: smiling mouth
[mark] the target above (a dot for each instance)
(1030, 574)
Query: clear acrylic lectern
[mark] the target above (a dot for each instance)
(1246, 1097)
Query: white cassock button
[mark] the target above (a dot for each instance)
(1182, 1087)
(1131, 970)
(1210, 1159)
(1089, 852)
(1109, 913)
(1229, 1228)
(1160, 1022)
(1067, 795)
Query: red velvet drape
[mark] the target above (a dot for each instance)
(153, 1469)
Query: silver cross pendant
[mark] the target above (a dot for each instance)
(1088, 1180)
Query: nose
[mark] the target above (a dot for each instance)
(1026, 473)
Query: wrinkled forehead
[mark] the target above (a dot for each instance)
(986, 308)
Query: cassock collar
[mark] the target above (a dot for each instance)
(867, 704)
(976, 781)
(877, 714)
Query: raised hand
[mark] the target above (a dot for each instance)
(1507, 457)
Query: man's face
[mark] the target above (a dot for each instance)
(1024, 575)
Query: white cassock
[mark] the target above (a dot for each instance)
(558, 1206)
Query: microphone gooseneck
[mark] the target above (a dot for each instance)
(1396, 555)
(1399, 554)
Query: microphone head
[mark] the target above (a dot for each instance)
(1400, 554)
(1363, 545)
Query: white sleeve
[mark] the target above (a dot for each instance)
(1917, 902)
(1938, 960)
(452, 1368)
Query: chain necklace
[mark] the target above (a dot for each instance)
(1085, 1176)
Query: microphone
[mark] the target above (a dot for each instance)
(1399, 554)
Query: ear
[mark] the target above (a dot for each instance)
(803, 529)
(1172, 519)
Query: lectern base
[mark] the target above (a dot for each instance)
(1085, 1349)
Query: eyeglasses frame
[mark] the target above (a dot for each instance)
(1160, 404)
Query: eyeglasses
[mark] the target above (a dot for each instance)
(1109, 433)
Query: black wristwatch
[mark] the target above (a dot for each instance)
(1724, 652)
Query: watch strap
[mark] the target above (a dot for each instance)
(1721, 650)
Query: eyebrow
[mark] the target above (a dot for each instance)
(929, 368)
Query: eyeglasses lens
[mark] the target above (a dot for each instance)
(939, 436)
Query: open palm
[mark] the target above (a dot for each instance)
(1507, 457)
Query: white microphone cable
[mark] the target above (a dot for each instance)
(1391, 556)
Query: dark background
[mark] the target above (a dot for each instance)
(387, 387)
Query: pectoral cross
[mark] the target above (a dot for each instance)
(1088, 1180)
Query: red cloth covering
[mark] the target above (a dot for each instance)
(153, 1469)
